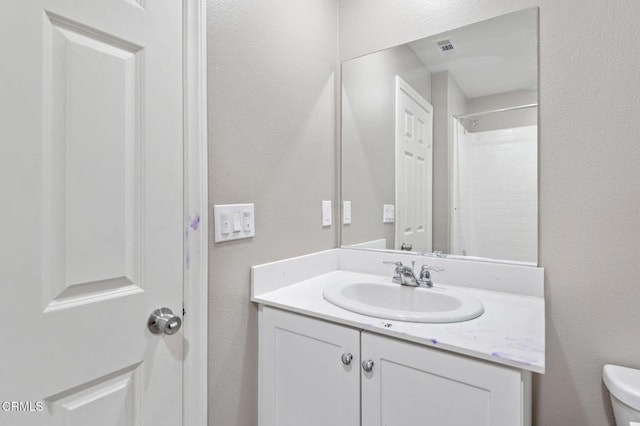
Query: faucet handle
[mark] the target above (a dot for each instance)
(426, 267)
(397, 264)
(425, 274)
(396, 271)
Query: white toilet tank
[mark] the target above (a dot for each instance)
(624, 385)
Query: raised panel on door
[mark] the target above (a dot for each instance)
(91, 164)
(406, 188)
(303, 380)
(413, 385)
(420, 195)
(113, 400)
(93, 160)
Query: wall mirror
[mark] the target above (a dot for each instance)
(440, 144)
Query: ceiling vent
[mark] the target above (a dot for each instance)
(445, 46)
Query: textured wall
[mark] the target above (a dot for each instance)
(368, 132)
(271, 98)
(589, 173)
(448, 100)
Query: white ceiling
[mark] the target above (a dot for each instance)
(493, 56)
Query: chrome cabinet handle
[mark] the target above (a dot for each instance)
(162, 321)
(367, 365)
(346, 359)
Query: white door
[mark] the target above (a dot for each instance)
(414, 169)
(309, 372)
(92, 211)
(411, 385)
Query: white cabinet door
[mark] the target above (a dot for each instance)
(303, 380)
(414, 385)
(92, 210)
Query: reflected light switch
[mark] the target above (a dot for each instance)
(346, 212)
(388, 213)
(326, 213)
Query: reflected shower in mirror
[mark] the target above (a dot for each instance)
(439, 143)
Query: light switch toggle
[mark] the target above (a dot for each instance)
(225, 224)
(237, 222)
(247, 221)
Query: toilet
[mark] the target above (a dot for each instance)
(624, 386)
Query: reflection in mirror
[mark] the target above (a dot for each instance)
(439, 143)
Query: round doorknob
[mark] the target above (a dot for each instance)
(367, 365)
(346, 359)
(162, 320)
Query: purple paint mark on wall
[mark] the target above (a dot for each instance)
(497, 354)
(195, 222)
(434, 341)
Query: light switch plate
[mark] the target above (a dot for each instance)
(346, 212)
(388, 213)
(233, 222)
(326, 213)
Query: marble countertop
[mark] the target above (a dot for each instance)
(510, 332)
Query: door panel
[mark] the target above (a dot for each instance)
(91, 112)
(409, 394)
(113, 400)
(412, 385)
(303, 380)
(414, 123)
(405, 185)
(91, 141)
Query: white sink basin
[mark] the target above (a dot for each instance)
(402, 303)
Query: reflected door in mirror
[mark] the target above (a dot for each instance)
(414, 123)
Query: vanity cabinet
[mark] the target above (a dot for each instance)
(312, 373)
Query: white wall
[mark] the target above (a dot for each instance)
(589, 203)
(271, 69)
(368, 137)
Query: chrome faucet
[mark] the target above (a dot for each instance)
(405, 275)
